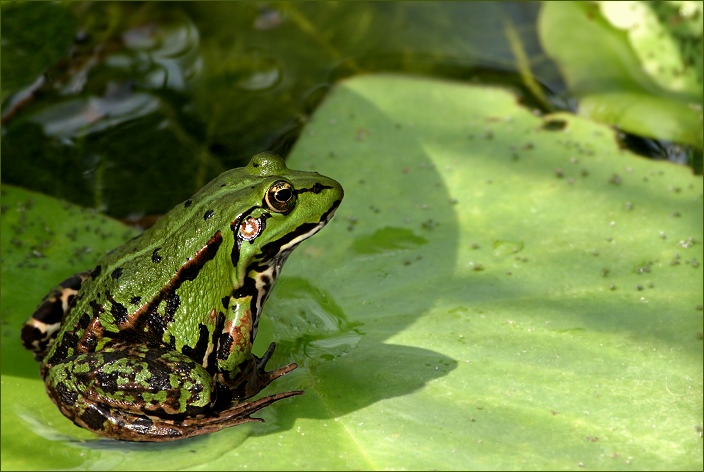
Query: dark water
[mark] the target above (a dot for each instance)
(131, 107)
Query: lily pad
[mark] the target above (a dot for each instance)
(498, 290)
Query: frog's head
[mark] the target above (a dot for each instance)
(287, 207)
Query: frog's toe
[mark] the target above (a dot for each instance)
(264, 377)
(267, 377)
(261, 361)
(242, 412)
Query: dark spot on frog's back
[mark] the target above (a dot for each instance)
(118, 310)
(97, 308)
(74, 282)
(208, 214)
(159, 380)
(96, 272)
(190, 270)
(156, 323)
(187, 203)
(90, 341)
(107, 380)
(69, 340)
(84, 320)
(109, 357)
(117, 273)
(156, 258)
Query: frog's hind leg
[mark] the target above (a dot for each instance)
(128, 426)
(137, 393)
(40, 330)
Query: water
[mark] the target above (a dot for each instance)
(100, 98)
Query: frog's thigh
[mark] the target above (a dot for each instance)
(140, 380)
(129, 394)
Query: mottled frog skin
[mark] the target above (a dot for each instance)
(155, 343)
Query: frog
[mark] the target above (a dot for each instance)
(155, 342)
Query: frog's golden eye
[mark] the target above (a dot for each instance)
(280, 197)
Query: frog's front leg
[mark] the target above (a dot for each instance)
(141, 394)
(253, 376)
(243, 373)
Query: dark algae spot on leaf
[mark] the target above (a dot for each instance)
(554, 125)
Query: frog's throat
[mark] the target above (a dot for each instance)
(265, 270)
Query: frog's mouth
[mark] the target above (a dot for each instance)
(282, 247)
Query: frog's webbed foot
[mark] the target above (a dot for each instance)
(254, 378)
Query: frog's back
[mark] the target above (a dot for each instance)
(128, 281)
(133, 294)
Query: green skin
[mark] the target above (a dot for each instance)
(155, 343)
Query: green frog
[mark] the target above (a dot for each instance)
(155, 343)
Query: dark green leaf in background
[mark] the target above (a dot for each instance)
(153, 99)
(26, 52)
(640, 93)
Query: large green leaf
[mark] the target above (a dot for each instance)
(497, 290)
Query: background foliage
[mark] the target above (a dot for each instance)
(130, 107)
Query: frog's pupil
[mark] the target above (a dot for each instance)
(284, 195)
